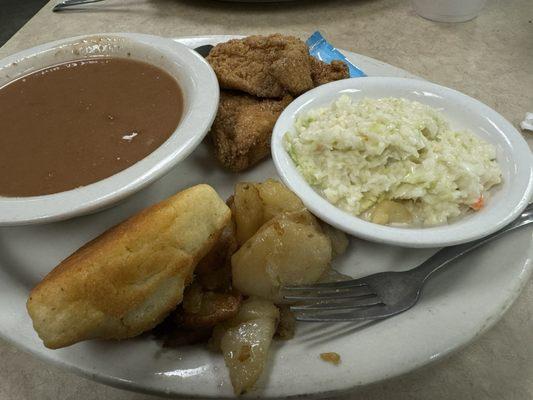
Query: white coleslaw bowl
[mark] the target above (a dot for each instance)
(200, 94)
(506, 202)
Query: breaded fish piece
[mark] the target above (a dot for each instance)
(322, 73)
(264, 66)
(127, 280)
(242, 128)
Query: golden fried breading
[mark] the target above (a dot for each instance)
(264, 66)
(127, 280)
(324, 73)
(268, 67)
(243, 127)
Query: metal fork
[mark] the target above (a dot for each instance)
(380, 295)
(69, 3)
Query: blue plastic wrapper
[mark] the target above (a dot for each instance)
(320, 48)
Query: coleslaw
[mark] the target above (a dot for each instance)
(392, 161)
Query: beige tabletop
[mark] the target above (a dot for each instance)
(489, 58)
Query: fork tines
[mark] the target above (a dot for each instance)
(371, 312)
(334, 301)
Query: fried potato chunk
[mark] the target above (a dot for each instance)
(242, 128)
(257, 203)
(248, 214)
(245, 341)
(263, 66)
(277, 198)
(204, 308)
(289, 249)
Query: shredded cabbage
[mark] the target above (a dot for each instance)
(358, 154)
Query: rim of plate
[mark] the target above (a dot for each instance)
(201, 92)
(514, 158)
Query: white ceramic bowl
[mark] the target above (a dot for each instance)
(507, 200)
(200, 91)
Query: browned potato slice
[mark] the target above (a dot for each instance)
(245, 343)
(277, 198)
(289, 249)
(192, 298)
(214, 308)
(248, 213)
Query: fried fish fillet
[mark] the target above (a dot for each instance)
(269, 70)
(243, 125)
(264, 66)
(242, 128)
(322, 73)
(127, 280)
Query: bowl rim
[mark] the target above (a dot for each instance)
(189, 133)
(438, 236)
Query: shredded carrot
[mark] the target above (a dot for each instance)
(478, 205)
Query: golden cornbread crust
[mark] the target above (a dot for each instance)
(128, 279)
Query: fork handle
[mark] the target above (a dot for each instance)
(448, 254)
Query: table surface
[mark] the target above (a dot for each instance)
(489, 58)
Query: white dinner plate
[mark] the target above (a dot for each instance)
(457, 305)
